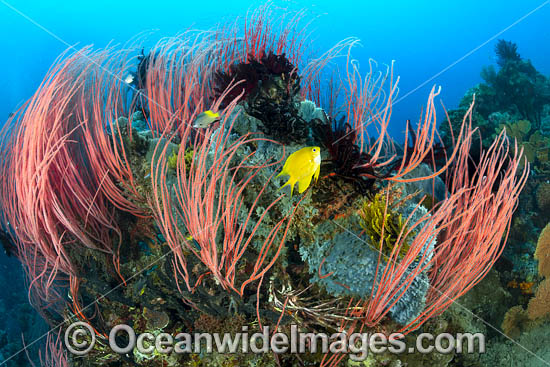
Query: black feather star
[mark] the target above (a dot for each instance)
(270, 87)
(506, 51)
(347, 161)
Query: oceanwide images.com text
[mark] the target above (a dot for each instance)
(80, 339)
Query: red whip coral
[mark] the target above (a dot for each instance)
(472, 224)
(67, 169)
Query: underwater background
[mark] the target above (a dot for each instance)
(423, 37)
(451, 44)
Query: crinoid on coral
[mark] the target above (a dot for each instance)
(270, 90)
(144, 61)
(384, 225)
(346, 160)
(506, 51)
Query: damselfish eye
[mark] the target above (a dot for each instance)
(314, 150)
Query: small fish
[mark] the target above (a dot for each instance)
(191, 239)
(140, 286)
(129, 79)
(204, 119)
(301, 166)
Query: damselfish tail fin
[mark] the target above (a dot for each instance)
(290, 182)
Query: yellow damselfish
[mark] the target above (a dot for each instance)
(301, 166)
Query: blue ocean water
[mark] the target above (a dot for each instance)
(423, 37)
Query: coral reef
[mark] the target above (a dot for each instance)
(515, 322)
(270, 87)
(517, 85)
(383, 225)
(516, 95)
(346, 159)
(542, 195)
(333, 241)
(505, 352)
(518, 320)
(125, 212)
(539, 305)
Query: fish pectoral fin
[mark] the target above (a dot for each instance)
(283, 172)
(304, 183)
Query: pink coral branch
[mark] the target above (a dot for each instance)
(68, 167)
(207, 196)
(368, 103)
(472, 225)
(55, 354)
(264, 31)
